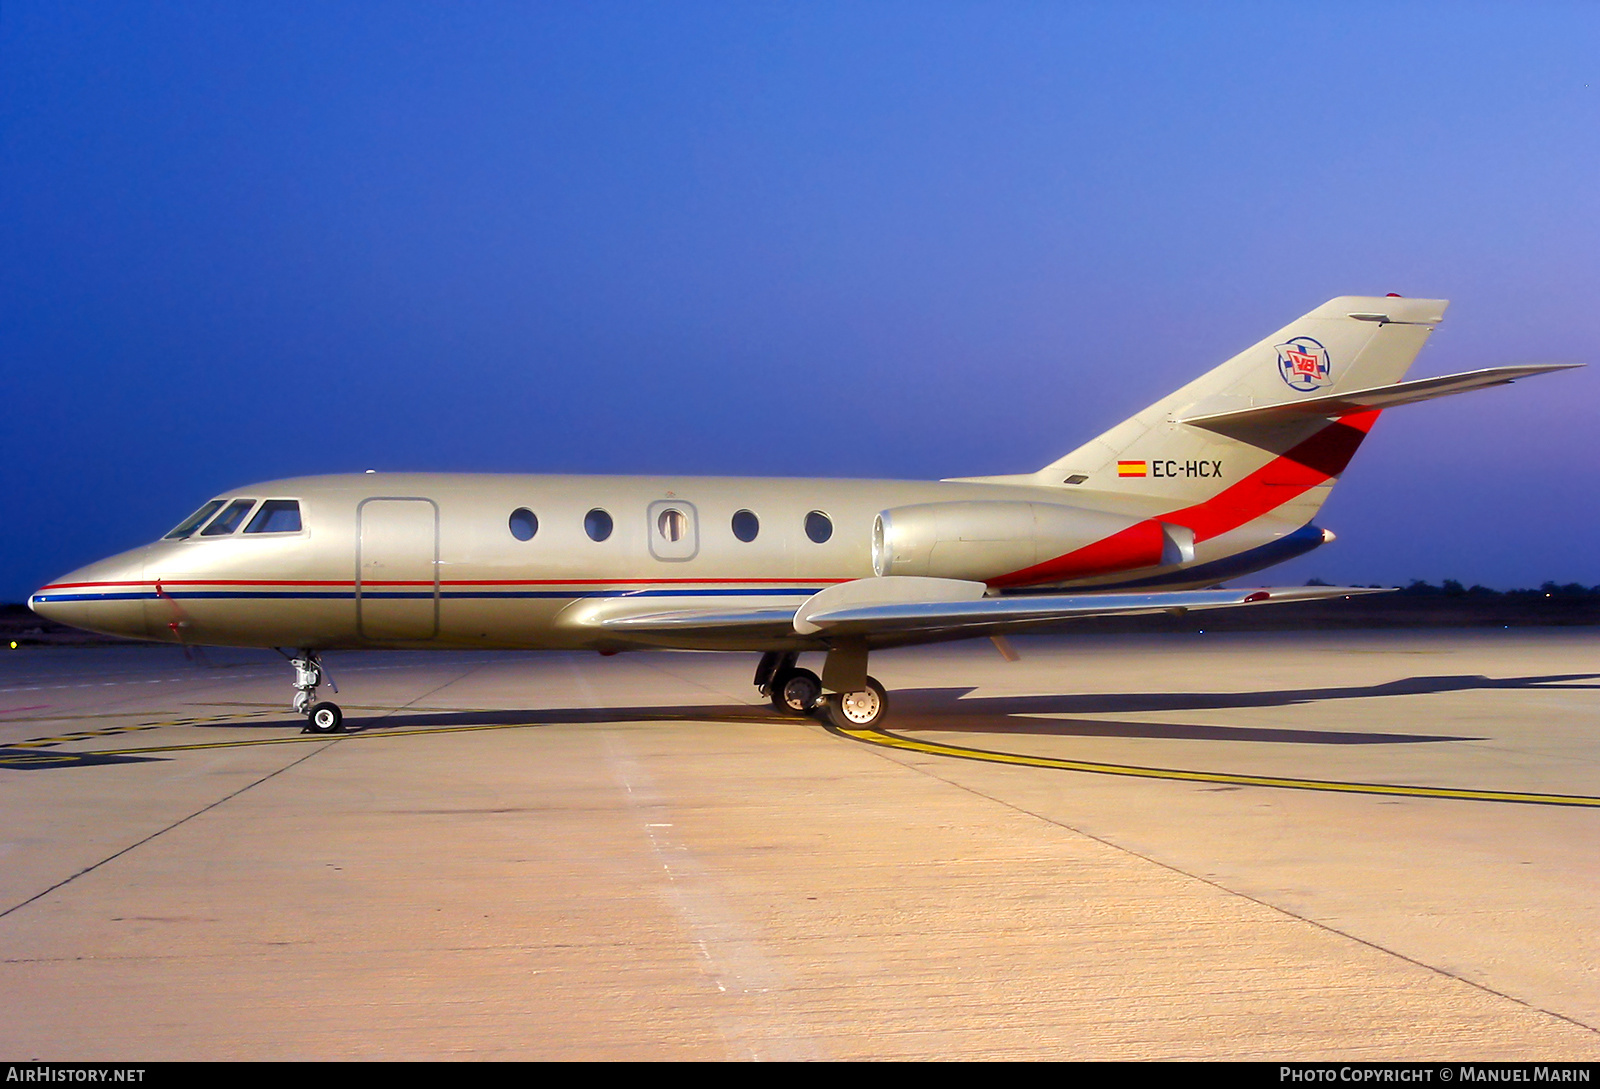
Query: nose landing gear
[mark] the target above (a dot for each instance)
(321, 717)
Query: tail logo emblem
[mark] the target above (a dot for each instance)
(1304, 364)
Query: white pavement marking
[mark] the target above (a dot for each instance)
(753, 1016)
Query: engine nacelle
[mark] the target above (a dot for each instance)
(982, 541)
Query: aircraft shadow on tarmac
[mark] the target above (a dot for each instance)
(918, 710)
(945, 710)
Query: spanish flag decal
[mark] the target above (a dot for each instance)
(1130, 468)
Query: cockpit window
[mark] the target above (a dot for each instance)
(276, 516)
(191, 523)
(229, 519)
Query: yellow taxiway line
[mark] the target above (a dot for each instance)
(934, 748)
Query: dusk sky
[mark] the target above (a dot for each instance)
(248, 241)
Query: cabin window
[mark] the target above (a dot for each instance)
(819, 527)
(276, 516)
(524, 524)
(192, 523)
(746, 525)
(597, 524)
(672, 524)
(229, 519)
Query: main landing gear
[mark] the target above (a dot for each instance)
(856, 701)
(859, 710)
(321, 717)
(792, 691)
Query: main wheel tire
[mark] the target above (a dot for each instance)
(795, 692)
(326, 718)
(857, 710)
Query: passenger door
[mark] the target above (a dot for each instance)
(397, 569)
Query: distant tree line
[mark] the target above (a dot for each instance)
(1572, 591)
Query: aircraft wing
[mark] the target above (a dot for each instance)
(1362, 400)
(899, 609)
(996, 614)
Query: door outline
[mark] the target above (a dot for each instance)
(433, 565)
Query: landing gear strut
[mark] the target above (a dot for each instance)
(321, 717)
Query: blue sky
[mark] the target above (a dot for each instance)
(909, 240)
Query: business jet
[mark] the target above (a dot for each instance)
(1218, 480)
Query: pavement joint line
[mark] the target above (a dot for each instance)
(1171, 868)
(158, 832)
(471, 668)
(890, 740)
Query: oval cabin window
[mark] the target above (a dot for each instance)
(673, 524)
(524, 524)
(597, 524)
(746, 525)
(818, 526)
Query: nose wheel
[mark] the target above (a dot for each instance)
(322, 717)
(325, 718)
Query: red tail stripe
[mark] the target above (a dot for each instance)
(1302, 467)
(1319, 458)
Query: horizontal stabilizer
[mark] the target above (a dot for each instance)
(1378, 397)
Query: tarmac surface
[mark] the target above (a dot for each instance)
(1286, 846)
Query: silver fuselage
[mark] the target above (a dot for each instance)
(429, 560)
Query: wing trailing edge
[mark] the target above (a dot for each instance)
(1016, 612)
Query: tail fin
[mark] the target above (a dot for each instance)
(1214, 482)
(1231, 468)
(1347, 344)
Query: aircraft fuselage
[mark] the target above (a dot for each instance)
(434, 560)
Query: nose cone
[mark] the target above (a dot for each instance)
(106, 597)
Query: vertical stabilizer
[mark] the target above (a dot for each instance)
(1349, 343)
